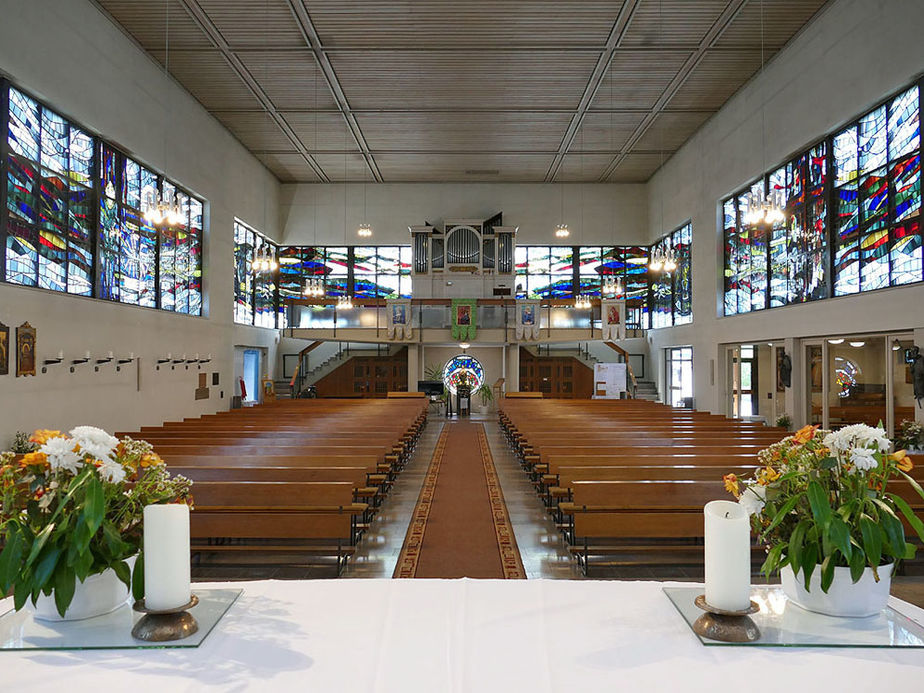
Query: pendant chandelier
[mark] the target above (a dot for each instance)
(612, 286)
(314, 287)
(764, 209)
(364, 230)
(582, 302)
(561, 229)
(163, 210)
(344, 303)
(264, 260)
(663, 260)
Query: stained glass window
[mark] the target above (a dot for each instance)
(873, 200)
(463, 368)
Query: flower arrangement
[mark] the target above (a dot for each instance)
(910, 435)
(820, 499)
(73, 507)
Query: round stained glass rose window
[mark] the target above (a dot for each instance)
(461, 367)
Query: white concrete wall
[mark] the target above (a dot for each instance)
(69, 54)
(852, 56)
(596, 214)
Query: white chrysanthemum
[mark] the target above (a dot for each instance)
(61, 455)
(111, 471)
(863, 459)
(857, 436)
(753, 498)
(94, 441)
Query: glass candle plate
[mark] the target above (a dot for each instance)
(113, 631)
(784, 624)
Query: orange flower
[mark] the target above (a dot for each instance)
(42, 436)
(874, 484)
(822, 452)
(731, 484)
(905, 463)
(805, 434)
(767, 476)
(34, 458)
(152, 459)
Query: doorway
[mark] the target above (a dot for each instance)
(679, 367)
(252, 375)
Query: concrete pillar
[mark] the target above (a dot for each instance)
(512, 382)
(413, 367)
(919, 341)
(796, 397)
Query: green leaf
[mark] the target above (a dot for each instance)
(796, 541)
(65, 584)
(771, 563)
(123, 572)
(95, 504)
(895, 533)
(914, 484)
(828, 463)
(21, 595)
(11, 557)
(840, 535)
(857, 564)
(818, 500)
(138, 578)
(872, 540)
(827, 573)
(809, 561)
(906, 510)
(46, 566)
(782, 513)
(82, 565)
(39, 543)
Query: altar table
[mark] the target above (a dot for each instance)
(460, 636)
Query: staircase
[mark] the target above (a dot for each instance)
(283, 389)
(647, 390)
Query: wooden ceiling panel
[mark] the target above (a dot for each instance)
(464, 131)
(146, 22)
(781, 20)
(464, 168)
(608, 132)
(450, 23)
(254, 23)
(670, 130)
(636, 79)
(321, 132)
(208, 77)
(582, 167)
(672, 22)
(636, 168)
(344, 167)
(455, 79)
(289, 168)
(291, 78)
(719, 75)
(481, 90)
(256, 131)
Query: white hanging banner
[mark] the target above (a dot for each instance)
(398, 311)
(527, 320)
(613, 318)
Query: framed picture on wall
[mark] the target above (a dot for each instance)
(4, 349)
(25, 350)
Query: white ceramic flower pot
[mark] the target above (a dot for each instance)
(844, 598)
(97, 595)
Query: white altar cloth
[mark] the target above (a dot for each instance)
(460, 636)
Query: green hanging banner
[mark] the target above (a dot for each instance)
(463, 319)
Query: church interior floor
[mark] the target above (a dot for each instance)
(542, 550)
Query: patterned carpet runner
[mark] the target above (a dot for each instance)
(460, 526)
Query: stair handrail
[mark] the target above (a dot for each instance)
(301, 374)
(633, 392)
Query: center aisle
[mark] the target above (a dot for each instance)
(460, 526)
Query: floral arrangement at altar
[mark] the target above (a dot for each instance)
(822, 501)
(73, 507)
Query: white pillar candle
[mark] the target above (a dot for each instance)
(728, 556)
(131, 355)
(61, 354)
(166, 556)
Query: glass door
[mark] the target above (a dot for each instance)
(679, 362)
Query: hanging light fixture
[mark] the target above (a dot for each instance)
(612, 286)
(264, 260)
(561, 229)
(663, 260)
(365, 229)
(582, 302)
(764, 209)
(345, 303)
(314, 287)
(162, 210)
